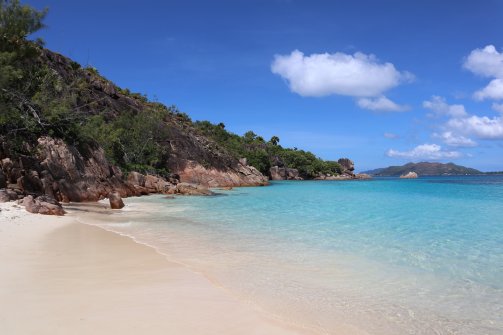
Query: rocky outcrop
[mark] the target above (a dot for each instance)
(363, 176)
(277, 173)
(409, 175)
(115, 200)
(147, 184)
(64, 173)
(83, 175)
(42, 205)
(195, 157)
(237, 175)
(284, 173)
(192, 189)
(347, 165)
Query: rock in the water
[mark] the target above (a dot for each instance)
(192, 189)
(115, 200)
(363, 176)
(410, 175)
(42, 205)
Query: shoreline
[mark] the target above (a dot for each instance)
(60, 276)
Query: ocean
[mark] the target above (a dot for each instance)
(384, 256)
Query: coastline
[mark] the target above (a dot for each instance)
(60, 276)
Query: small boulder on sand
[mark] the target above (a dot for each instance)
(42, 205)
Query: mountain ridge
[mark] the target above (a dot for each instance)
(424, 169)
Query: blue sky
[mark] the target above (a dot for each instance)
(380, 82)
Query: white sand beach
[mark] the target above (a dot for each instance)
(58, 276)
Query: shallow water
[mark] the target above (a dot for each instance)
(386, 256)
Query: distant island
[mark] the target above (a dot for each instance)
(424, 169)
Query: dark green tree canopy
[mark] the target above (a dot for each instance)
(18, 21)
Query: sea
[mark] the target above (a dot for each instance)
(384, 256)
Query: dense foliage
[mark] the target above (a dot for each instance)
(38, 99)
(34, 100)
(263, 155)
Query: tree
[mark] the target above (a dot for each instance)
(20, 77)
(18, 21)
(249, 136)
(274, 140)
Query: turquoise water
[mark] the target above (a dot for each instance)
(385, 256)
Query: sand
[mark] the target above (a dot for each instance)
(59, 276)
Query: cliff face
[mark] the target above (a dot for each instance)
(64, 173)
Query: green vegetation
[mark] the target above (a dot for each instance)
(41, 97)
(262, 155)
(35, 100)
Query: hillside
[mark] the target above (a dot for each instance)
(424, 169)
(67, 131)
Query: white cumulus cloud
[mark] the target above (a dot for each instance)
(494, 90)
(461, 125)
(425, 151)
(454, 140)
(481, 126)
(358, 75)
(440, 107)
(487, 62)
(381, 104)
